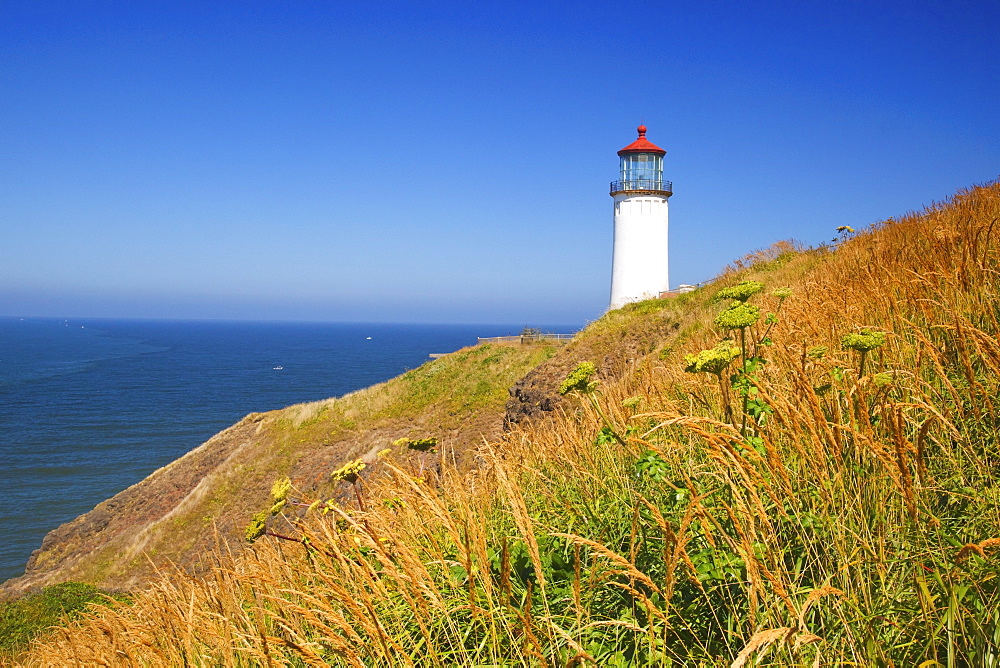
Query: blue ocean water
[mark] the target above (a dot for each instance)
(89, 407)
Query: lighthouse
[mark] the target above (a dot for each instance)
(639, 262)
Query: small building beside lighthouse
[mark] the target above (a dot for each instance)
(639, 262)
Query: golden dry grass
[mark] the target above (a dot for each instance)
(848, 517)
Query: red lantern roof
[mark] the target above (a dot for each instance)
(642, 145)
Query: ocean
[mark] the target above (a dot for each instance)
(90, 407)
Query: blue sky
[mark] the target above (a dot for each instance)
(449, 162)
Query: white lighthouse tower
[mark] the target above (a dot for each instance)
(639, 265)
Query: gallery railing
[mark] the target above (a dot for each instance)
(644, 185)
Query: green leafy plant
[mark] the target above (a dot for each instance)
(714, 360)
(578, 379)
(739, 316)
(652, 466)
(816, 352)
(418, 444)
(740, 292)
(257, 526)
(349, 472)
(863, 342)
(632, 402)
(423, 446)
(579, 382)
(280, 498)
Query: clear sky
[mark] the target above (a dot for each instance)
(450, 161)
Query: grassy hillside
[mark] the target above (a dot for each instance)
(797, 466)
(203, 500)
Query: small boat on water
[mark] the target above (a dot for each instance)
(368, 338)
(278, 368)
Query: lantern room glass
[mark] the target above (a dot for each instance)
(642, 171)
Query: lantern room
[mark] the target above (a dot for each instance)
(641, 167)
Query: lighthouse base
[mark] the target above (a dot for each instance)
(639, 263)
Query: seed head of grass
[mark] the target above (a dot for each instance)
(741, 292)
(864, 341)
(578, 379)
(712, 361)
(738, 316)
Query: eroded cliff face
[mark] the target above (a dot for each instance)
(204, 499)
(149, 522)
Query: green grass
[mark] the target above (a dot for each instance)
(454, 385)
(23, 619)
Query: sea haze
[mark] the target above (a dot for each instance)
(89, 407)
